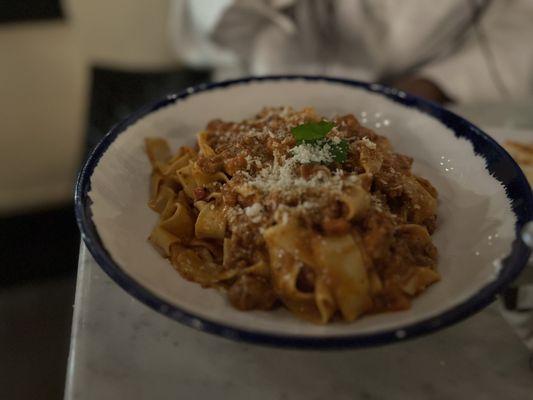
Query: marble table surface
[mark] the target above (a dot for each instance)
(121, 349)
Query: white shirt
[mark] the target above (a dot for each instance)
(365, 39)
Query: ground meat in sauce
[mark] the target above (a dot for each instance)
(271, 134)
(398, 201)
(252, 293)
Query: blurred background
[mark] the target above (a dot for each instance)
(71, 69)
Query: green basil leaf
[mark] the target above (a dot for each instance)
(339, 151)
(311, 131)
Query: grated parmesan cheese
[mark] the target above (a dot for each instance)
(306, 153)
(368, 143)
(307, 205)
(250, 161)
(254, 212)
(378, 205)
(280, 176)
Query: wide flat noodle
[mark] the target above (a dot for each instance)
(341, 260)
(162, 240)
(157, 150)
(163, 196)
(356, 200)
(178, 221)
(186, 179)
(211, 222)
(197, 266)
(203, 179)
(337, 261)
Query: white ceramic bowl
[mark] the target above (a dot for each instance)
(484, 202)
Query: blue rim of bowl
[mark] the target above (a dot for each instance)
(499, 163)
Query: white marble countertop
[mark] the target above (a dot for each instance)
(121, 349)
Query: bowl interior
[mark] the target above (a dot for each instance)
(475, 226)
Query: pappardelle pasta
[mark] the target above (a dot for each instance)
(287, 208)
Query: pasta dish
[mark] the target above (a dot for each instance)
(290, 209)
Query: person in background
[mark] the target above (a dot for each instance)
(463, 51)
(452, 50)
